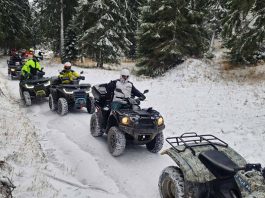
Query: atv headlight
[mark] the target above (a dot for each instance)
(13, 70)
(68, 92)
(48, 83)
(160, 121)
(29, 86)
(125, 120)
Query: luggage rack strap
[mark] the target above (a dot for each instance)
(192, 139)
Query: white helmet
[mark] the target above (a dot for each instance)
(67, 65)
(125, 72)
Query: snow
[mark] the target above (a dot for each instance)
(54, 156)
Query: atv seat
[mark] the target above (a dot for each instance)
(36, 81)
(73, 86)
(218, 164)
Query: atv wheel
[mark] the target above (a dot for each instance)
(62, 106)
(90, 105)
(171, 183)
(116, 141)
(156, 144)
(27, 98)
(95, 129)
(52, 103)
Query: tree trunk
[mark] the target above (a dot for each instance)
(62, 30)
(212, 42)
(100, 60)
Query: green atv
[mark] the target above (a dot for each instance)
(208, 168)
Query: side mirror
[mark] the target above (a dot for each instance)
(146, 91)
(81, 72)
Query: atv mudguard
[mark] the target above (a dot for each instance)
(113, 120)
(194, 171)
(251, 184)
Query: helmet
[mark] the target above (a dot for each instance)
(125, 72)
(67, 65)
(31, 49)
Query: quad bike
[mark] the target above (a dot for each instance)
(37, 87)
(208, 168)
(131, 123)
(64, 97)
(14, 68)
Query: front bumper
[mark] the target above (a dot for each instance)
(142, 135)
(39, 91)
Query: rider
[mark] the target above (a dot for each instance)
(31, 67)
(15, 58)
(67, 75)
(126, 87)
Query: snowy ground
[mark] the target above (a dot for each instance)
(54, 156)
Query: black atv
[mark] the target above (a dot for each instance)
(14, 68)
(64, 97)
(131, 123)
(207, 167)
(37, 87)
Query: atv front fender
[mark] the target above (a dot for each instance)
(191, 166)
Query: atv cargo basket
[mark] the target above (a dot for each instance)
(99, 91)
(192, 139)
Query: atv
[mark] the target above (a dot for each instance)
(14, 68)
(131, 123)
(208, 168)
(65, 97)
(37, 87)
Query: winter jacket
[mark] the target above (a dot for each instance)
(70, 74)
(30, 68)
(127, 88)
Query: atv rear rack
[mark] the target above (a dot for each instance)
(192, 139)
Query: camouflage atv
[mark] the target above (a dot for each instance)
(208, 168)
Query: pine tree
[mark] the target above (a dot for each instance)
(244, 30)
(104, 28)
(70, 48)
(132, 15)
(14, 18)
(170, 30)
(48, 16)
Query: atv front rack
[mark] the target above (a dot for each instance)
(192, 139)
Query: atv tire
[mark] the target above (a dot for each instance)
(62, 106)
(27, 98)
(156, 144)
(171, 183)
(95, 128)
(90, 105)
(116, 141)
(52, 103)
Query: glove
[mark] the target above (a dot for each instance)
(142, 98)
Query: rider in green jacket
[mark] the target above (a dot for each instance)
(30, 67)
